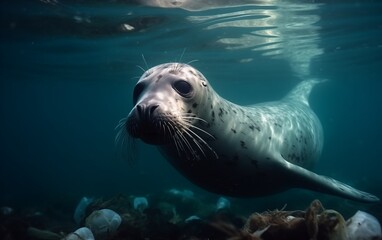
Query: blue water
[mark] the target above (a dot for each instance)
(68, 69)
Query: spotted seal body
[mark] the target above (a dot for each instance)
(226, 148)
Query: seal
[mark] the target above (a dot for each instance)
(225, 148)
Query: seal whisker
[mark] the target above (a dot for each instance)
(119, 137)
(131, 153)
(194, 118)
(121, 132)
(185, 127)
(178, 143)
(192, 61)
(128, 147)
(177, 67)
(198, 128)
(186, 142)
(168, 126)
(161, 127)
(175, 139)
(179, 132)
(181, 56)
(121, 123)
(144, 60)
(188, 130)
(141, 68)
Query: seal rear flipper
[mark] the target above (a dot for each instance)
(310, 180)
(301, 92)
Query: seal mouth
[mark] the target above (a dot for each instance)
(189, 139)
(147, 123)
(151, 131)
(154, 133)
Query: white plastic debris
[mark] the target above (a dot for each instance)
(5, 211)
(103, 223)
(83, 233)
(79, 213)
(223, 203)
(140, 203)
(185, 194)
(363, 226)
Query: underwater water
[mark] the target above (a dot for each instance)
(68, 69)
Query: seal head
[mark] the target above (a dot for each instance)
(164, 100)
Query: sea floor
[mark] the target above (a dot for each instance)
(176, 214)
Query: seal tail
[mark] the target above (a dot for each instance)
(302, 91)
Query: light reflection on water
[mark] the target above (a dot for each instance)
(284, 30)
(273, 29)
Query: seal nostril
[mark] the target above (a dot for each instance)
(144, 111)
(152, 109)
(141, 110)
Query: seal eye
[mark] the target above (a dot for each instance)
(183, 88)
(138, 89)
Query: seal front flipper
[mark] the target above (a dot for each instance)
(306, 179)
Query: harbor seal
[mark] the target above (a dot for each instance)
(225, 148)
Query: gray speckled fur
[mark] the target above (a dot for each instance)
(256, 150)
